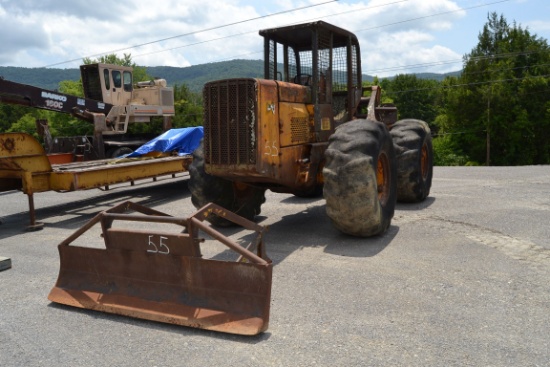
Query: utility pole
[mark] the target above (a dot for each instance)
(488, 159)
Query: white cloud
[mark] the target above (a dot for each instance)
(392, 33)
(537, 26)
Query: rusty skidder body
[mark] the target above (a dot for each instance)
(310, 128)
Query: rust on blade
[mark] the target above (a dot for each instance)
(161, 276)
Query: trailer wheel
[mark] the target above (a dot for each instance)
(413, 146)
(240, 198)
(360, 178)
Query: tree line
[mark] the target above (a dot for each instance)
(496, 112)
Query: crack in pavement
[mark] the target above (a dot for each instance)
(515, 248)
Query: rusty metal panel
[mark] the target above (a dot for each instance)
(168, 282)
(268, 129)
(241, 129)
(181, 290)
(181, 244)
(295, 127)
(23, 163)
(324, 123)
(292, 171)
(20, 151)
(290, 92)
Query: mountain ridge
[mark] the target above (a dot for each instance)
(194, 76)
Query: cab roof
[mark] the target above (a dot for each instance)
(299, 36)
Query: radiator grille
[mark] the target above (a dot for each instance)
(299, 130)
(230, 117)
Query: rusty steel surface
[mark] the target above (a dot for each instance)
(21, 152)
(160, 276)
(293, 93)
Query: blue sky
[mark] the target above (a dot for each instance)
(396, 36)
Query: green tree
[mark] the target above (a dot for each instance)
(27, 123)
(188, 106)
(9, 114)
(71, 87)
(414, 97)
(497, 111)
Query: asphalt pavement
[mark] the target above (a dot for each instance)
(462, 279)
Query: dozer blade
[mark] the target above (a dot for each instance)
(162, 276)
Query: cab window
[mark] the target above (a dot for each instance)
(107, 79)
(117, 79)
(127, 81)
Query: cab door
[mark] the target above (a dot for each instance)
(117, 84)
(121, 88)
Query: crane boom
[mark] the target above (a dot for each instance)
(28, 95)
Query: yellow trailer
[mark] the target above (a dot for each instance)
(25, 166)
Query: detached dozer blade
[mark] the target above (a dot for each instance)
(159, 276)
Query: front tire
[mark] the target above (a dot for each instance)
(237, 197)
(413, 146)
(360, 178)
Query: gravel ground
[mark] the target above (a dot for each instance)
(461, 279)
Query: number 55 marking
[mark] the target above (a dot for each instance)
(271, 150)
(152, 247)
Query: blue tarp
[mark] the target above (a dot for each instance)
(184, 141)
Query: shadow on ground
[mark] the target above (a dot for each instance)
(78, 212)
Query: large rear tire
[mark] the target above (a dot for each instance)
(413, 147)
(237, 197)
(360, 178)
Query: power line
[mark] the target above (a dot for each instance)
(346, 12)
(225, 37)
(279, 13)
(195, 32)
(471, 84)
(255, 31)
(414, 66)
(431, 15)
(445, 62)
(287, 11)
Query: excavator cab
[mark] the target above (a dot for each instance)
(132, 102)
(108, 83)
(111, 102)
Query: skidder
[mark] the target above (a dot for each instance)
(310, 128)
